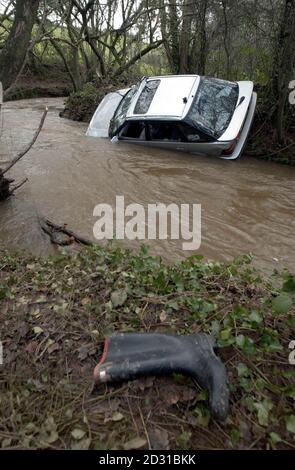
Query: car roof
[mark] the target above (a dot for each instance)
(172, 98)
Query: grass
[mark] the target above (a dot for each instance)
(54, 313)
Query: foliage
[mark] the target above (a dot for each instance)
(55, 312)
(81, 105)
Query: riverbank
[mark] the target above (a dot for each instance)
(82, 105)
(29, 87)
(56, 311)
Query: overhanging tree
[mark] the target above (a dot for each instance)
(283, 69)
(14, 52)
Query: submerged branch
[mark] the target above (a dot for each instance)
(53, 230)
(29, 146)
(5, 190)
(19, 185)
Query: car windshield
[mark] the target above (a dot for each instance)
(121, 111)
(213, 106)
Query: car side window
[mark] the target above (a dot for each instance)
(174, 132)
(193, 135)
(161, 131)
(165, 131)
(121, 112)
(133, 130)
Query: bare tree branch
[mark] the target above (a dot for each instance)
(29, 146)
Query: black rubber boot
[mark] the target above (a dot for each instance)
(131, 355)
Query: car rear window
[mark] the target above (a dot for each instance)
(213, 106)
(146, 97)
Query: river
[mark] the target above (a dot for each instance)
(247, 205)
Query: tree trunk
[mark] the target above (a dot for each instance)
(284, 66)
(174, 36)
(76, 71)
(60, 51)
(226, 40)
(185, 37)
(13, 54)
(201, 66)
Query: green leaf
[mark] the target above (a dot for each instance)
(69, 413)
(243, 370)
(275, 438)
(207, 307)
(240, 340)
(289, 284)
(215, 327)
(203, 416)
(117, 416)
(118, 298)
(78, 433)
(83, 444)
(48, 433)
(225, 334)
(263, 408)
(51, 437)
(136, 443)
(290, 423)
(240, 311)
(235, 436)
(6, 442)
(160, 281)
(255, 317)
(174, 305)
(245, 343)
(37, 330)
(290, 392)
(183, 440)
(4, 292)
(282, 304)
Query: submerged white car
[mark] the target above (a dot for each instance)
(199, 115)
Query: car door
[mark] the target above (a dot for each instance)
(99, 125)
(181, 137)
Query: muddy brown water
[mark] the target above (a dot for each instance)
(247, 205)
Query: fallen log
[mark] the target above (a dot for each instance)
(17, 186)
(61, 235)
(5, 190)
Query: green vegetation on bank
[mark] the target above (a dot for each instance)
(54, 313)
(81, 105)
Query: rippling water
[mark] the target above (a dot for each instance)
(247, 205)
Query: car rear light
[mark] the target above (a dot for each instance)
(230, 150)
